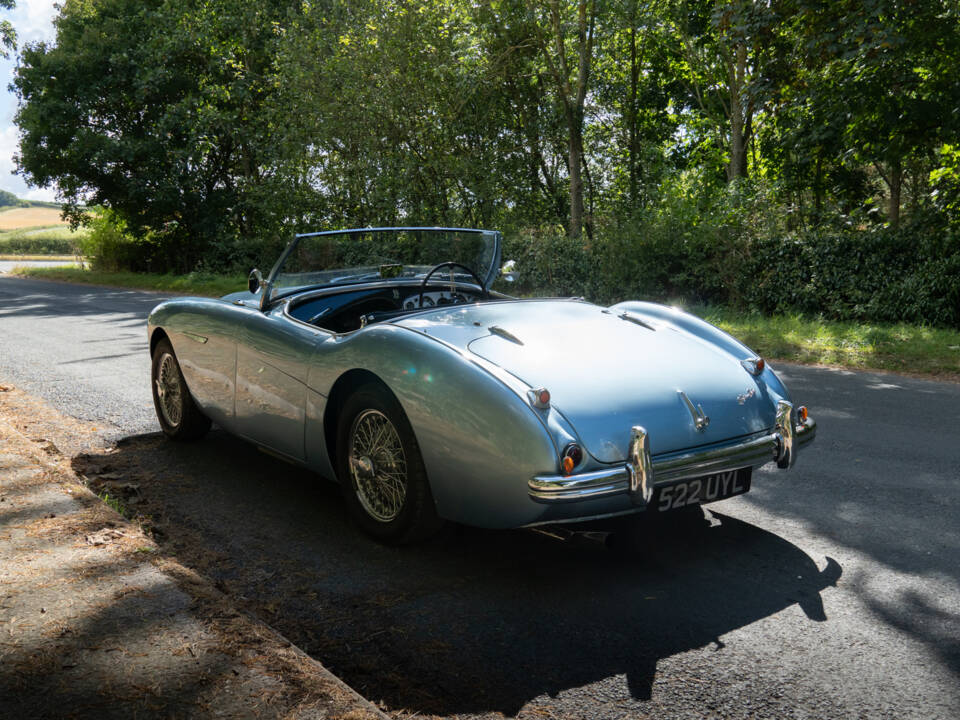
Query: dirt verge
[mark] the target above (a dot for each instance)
(96, 620)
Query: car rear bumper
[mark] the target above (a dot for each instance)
(642, 473)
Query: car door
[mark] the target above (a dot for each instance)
(273, 359)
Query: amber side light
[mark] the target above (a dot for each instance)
(572, 456)
(802, 413)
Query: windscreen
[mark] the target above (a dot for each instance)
(352, 256)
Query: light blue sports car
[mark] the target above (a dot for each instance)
(382, 358)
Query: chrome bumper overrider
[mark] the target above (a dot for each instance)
(641, 473)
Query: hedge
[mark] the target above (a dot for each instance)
(878, 275)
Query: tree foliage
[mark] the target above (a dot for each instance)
(211, 128)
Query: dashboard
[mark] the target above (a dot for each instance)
(350, 310)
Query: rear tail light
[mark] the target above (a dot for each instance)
(754, 365)
(539, 398)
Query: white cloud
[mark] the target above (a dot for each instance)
(44, 194)
(9, 144)
(33, 20)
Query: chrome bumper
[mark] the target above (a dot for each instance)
(641, 473)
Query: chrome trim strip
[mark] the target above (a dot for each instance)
(505, 334)
(640, 467)
(700, 418)
(629, 477)
(196, 338)
(630, 317)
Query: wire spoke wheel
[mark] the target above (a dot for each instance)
(378, 465)
(180, 417)
(170, 390)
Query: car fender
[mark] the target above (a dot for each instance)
(480, 441)
(203, 333)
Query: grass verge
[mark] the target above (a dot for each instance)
(902, 348)
(45, 258)
(190, 284)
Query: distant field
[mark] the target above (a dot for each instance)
(29, 217)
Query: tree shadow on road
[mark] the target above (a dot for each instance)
(473, 622)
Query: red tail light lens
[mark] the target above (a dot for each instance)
(539, 398)
(754, 365)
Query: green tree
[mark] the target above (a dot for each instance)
(8, 35)
(565, 32)
(150, 108)
(731, 60)
(889, 68)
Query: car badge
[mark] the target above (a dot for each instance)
(743, 397)
(700, 418)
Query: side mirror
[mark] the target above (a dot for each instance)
(255, 281)
(508, 271)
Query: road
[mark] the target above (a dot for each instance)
(829, 591)
(83, 349)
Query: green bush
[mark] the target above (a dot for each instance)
(689, 246)
(108, 245)
(53, 242)
(731, 248)
(886, 275)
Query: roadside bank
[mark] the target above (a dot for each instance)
(95, 621)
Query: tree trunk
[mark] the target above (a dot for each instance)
(818, 185)
(576, 178)
(631, 114)
(736, 75)
(572, 92)
(895, 183)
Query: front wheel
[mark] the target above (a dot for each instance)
(381, 473)
(179, 416)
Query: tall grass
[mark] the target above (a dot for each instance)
(41, 240)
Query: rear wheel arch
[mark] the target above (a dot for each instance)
(342, 389)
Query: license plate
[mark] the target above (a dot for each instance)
(694, 491)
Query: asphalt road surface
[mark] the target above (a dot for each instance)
(829, 591)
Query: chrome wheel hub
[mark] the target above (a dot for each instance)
(378, 466)
(169, 390)
(364, 468)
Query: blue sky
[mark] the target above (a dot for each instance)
(33, 20)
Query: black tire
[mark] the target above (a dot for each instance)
(179, 416)
(381, 475)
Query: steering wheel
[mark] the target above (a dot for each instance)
(471, 273)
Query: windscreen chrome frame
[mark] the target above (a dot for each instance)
(267, 298)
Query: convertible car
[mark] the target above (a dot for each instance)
(382, 358)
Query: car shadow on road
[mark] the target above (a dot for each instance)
(472, 622)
